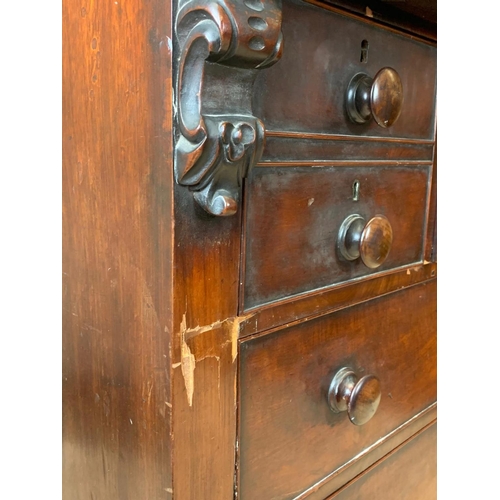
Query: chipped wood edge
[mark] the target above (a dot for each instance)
(188, 359)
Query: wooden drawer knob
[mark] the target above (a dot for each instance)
(360, 397)
(380, 97)
(371, 241)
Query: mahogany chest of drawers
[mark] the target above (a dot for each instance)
(249, 251)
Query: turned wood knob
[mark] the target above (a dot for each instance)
(223, 204)
(360, 397)
(380, 97)
(371, 241)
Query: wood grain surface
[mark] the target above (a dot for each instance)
(430, 253)
(289, 438)
(117, 250)
(355, 467)
(206, 262)
(293, 217)
(415, 461)
(152, 302)
(305, 91)
(294, 147)
(319, 302)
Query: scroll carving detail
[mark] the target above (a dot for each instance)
(214, 152)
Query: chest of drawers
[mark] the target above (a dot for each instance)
(249, 251)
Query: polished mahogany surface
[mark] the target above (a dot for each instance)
(117, 296)
(293, 218)
(305, 91)
(413, 16)
(289, 437)
(199, 344)
(415, 461)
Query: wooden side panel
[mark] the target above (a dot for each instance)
(117, 255)
(409, 473)
(207, 254)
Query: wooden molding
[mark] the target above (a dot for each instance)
(214, 152)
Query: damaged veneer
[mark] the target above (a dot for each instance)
(229, 330)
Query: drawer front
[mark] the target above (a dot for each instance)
(289, 438)
(293, 218)
(409, 473)
(306, 90)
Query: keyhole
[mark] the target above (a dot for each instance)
(364, 51)
(355, 190)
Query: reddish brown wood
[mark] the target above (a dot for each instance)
(431, 238)
(387, 97)
(293, 217)
(151, 282)
(289, 438)
(415, 461)
(306, 90)
(370, 241)
(313, 148)
(214, 151)
(204, 351)
(417, 17)
(358, 396)
(117, 250)
(321, 302)
(344, 474)
(125, 330)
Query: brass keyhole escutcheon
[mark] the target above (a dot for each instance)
(380, 97)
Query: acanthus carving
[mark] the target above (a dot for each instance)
(214, 152)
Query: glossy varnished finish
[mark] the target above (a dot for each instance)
(380, 97)
(289, 437)
(294, 147)
(375, 241)
(149, 349)
(316, 303)
(370, 240)
(386, 97)
(158, 299)
(431, 239)
(306, 91)
(360, 397)
(213, 153)
(409, 472)
(117, 302)
(416, 17)
(204, 351)
(293, 218)
(333, 482)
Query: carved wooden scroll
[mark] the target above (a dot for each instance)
(214, 152)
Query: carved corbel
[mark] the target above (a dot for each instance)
(214, 152)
